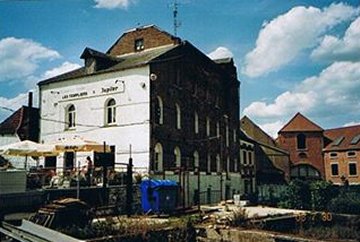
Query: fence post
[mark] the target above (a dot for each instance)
(129, 188)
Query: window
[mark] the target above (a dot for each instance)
(301, 141)
(227, 135)
(70, 117)
(302, 156)
(351, 154)
(177, 154)
(352, 169)
(218, 129)
(196, 159)
(110, 112)
(244, 157)
(234, 135)
(178, 116)
(196, 123)
(208, 126)
(69, 160)
(159, 113)
(158, 161)
(139, 44)
(228, 164)
(208, 163)
(236, 165)
(333, 155)
(218, 163)
(250, 157)
(334, 169)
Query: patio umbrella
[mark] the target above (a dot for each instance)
(27, 148)
(77, 144)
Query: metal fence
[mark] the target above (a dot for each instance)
(210, 197)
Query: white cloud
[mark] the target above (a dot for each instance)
(272, 128)
(111, 4)
(65, 67)
(20, 57)
(352, 123)
(283, 38)
(332, 48)
(335, 91)
(220, 53)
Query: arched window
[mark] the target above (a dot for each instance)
(70, 117)
(110, 111)
(177, 155)
(196, 123)
(301, 141)
(218, 163)
(178, 116)
(208, 167)
(196, 159)
(208, 126)
(159, 111)
(158, 161)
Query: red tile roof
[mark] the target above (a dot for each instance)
(343, 138)
(12, 123)
(300, 123)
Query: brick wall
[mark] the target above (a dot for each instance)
(313, 150)
(342, 160)
(152, 36)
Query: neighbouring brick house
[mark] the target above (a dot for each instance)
(176, 107)
(304, 140)
(315, 153)
(342, 155)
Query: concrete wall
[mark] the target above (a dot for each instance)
(129, 88)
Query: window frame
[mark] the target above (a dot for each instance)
(349, 169)
(70, 117)
(110, 109)
(331, 169)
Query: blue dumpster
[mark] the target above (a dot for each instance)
(159, 196)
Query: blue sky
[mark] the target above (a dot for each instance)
(292, 56)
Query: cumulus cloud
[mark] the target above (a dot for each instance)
(111, 4)
(335, 91)
(283, 38)
(21, 57)
(333, 48)
(272, 128)
(220, 53)
(63, 68)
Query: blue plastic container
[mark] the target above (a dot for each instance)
(159, 196)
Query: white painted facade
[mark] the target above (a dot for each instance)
(129, 88)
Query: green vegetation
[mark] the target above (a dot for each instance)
(320, 196)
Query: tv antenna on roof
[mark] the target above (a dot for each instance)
(177, 23)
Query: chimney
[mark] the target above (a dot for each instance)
(30, 99)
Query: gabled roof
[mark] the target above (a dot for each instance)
(345, 138)
(127, 61)
(255, 132)
(12, 123)
(300, 123)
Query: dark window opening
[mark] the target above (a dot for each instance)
(69, 160)
(301, 141)
(352, 169)
(139, 44)
(334, 169)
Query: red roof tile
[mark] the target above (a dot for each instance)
(12, 123)
(300, 123)
(343, 138)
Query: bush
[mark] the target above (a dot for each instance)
(239, 217)
(321, 194)
(348, 203)
(297, 195)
